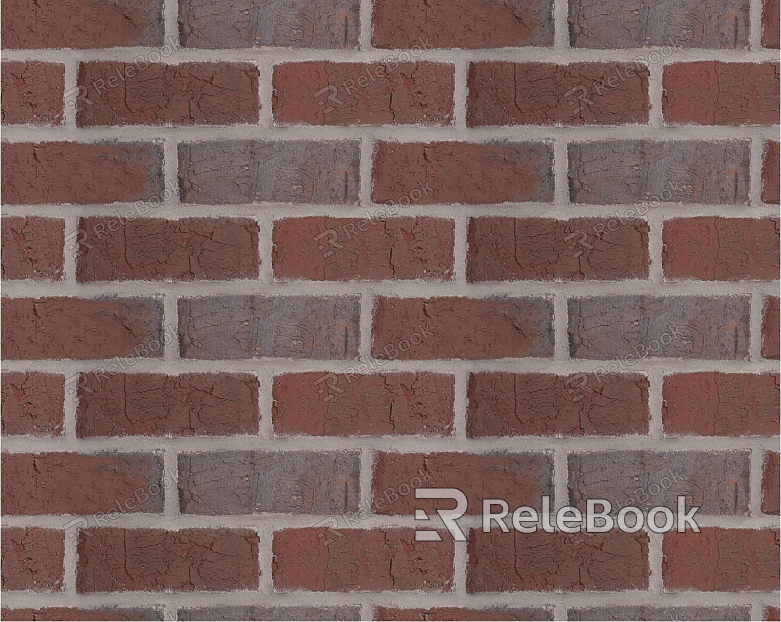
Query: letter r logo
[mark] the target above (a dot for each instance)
(448, 517)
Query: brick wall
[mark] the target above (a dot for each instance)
(268, 266)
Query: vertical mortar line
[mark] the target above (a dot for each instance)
(365, 347)
(561, 198)
(559, 612)
(460, 92)
(170, 190)
(71, 248)
(171, 475)
(655, 383)
(755, 325)
(560, 173)
(755, 482)
(265, 92)
(560, 483)
(560, 24)
(755, 170)
(755, 25)
(756, 611)
(70, 562)
(365, 170)
(265, 403)
(265, 558)
(365, 26)
(655, 583)
(460, 249)
(171, 17)
(265, 222)
(655, 247)
(70, 94)
(367, 610)
(170, 613)
(460, 561)
(560, 327)
(460, 405)
(655, 73)
(367, 460)
(71, 403)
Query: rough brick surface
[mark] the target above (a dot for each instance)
(723, 560)
(648, 612)
(360, 560)
(770, 23)
(184, 561)
(770, 328)
(504, 404)
(461, 613)
(32, 403)
(271, 613)
(158, 405)
(503, 93)
(542, 249)
(770, 483)
(69, 613)
(32, 559)
(32, 92)
(771, 170)
(319, 404)
(771, 613)
(32, 248)
(363, 93)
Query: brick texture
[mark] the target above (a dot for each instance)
(770, 173)
(32, 403)
(32, 559)
(770, 25)
(461, 613)
(32, 92)
(770, 483)
(770, 328)
(647, 612)
(270, 613)
(32, 248)
(71, 613)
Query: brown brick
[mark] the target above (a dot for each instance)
(360, 560)
(648, 612)
(69, 613)
(246, 327)
(771, 170)
(32, 92)
(721, 560)
(160, 405)
(771, 613)
(504, 404)
(68, 172)
(461, 613)
(770, 483)
(632, 327)
(459, 172)
(32, 248)
(770, 328)
(32, 403)
(543, 249)
(76, 328)
(253, 612)
(349, 249)
(349, 404)
(114, 560)
(363, 93)
(32, 559)
(770, 23)
(717, 404)
(634, 171)
(462, 328)
(251, 482)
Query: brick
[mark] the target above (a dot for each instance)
(350, 249)
(770, 483)
(32, 248)
(246, 171)
(154, 249)
(246, 327)
(459, 172)
(543, 249)
(500, 562)
(320, 404)
(75, 328)
(252, 482)
(160, 405)
(770, 330)
(156, 560)
(70, 613)
(69, 483)
(770, 25)
(32, 559)
(271, 613)
(647, 612)
(32, 403)
(519, 479)
(721, 560)
(39, 24)
(80, 173)
(505, 404)
(259, 23)
(717, 483)
(610, 24)
(363, 93)
(770, 173)
(504, 93)
(718, 93)
(721, 249)
(717, 404)
(116, 93)
(360, 560)
(461, 613)
(647, 172)
(771, 613)
(32, 92)
(476, 24)
(462, 328)
(635, 327)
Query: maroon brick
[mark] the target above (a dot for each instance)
(770, 483)
(32, 248)
(771, 613)
(69, 613)
(32, 559)
(256, 612)
(32, 403)
(32, 92)
(771, 170)
(461, 613)
(770, 25)
(770, 328)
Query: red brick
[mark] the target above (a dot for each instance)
(462, 328)
(348, 404)
(461, 613)
(721, 249)
(348, 249)
(459, 172)
(363, 93)
(153, 249)
(504, 404)
(543, 249)
(770, 328)
(474, 24)
(75, 328)
(353, 560)
(32, 403)
(717, 93)
(770, 483)
(771, 613)
(504, 93)
(717, 404)
(721, 560)
(770, 25)
(665, 612)
(771, 171)
(39, 24)
(68, 483)
(67, 172)
(116, 93)
(54, 614)
(544, 562)
(270, 612)
(156, 560)
(32, 559)
(519, 479)
(160, 405)
(32, 92)
(32, 248)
